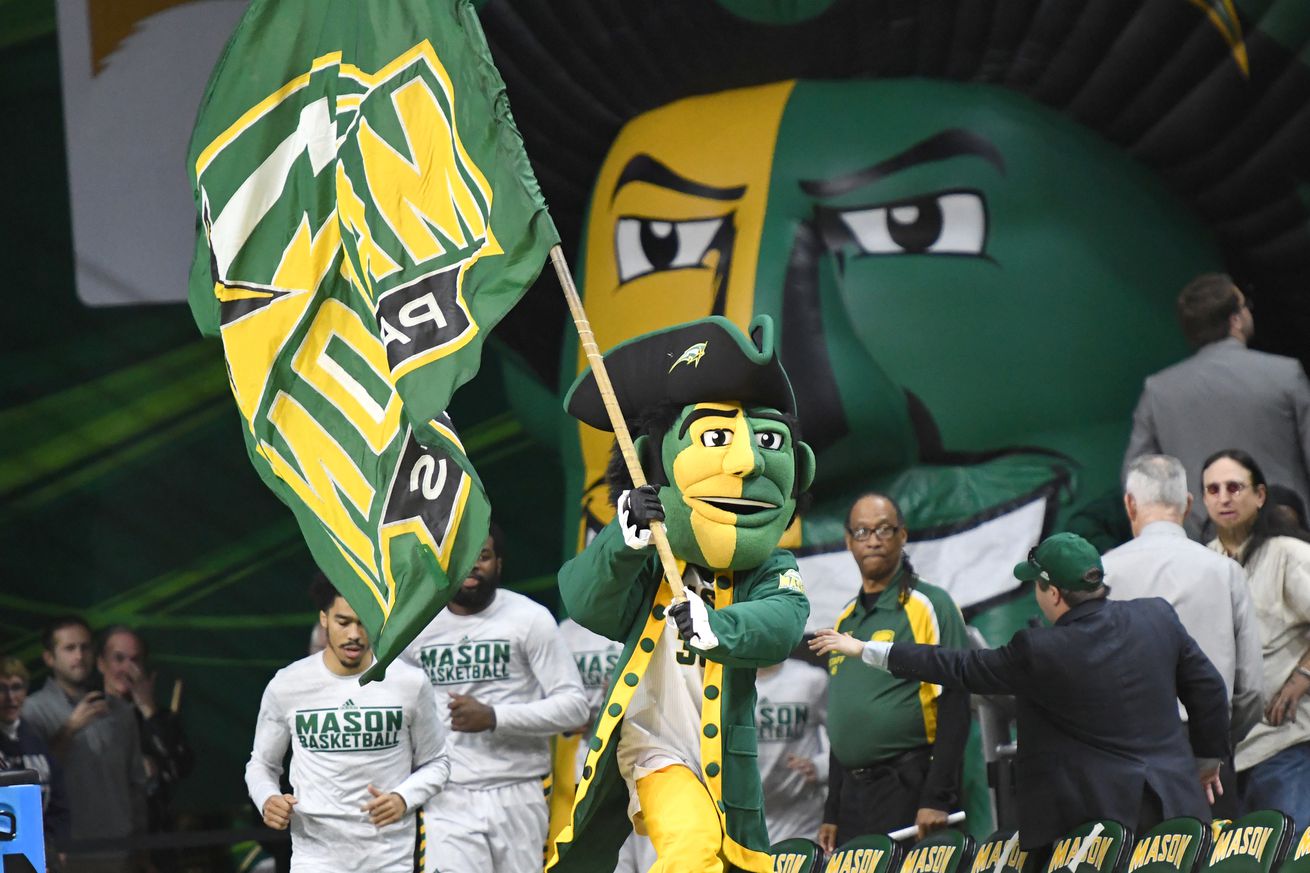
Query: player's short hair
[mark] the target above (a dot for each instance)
(1204, 307)
(1159, 480)
(322, 592)
(57, 624)
(15, 667)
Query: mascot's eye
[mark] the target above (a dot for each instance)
(716, 438)
(769, 440)
(944, 224)
(649, 245)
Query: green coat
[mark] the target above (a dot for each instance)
(758, 616)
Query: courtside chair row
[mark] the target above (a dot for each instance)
(1265, 841)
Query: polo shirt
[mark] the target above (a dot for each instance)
(871, 714)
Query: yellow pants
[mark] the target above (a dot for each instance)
(681, 821)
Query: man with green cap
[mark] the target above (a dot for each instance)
(1099, 731)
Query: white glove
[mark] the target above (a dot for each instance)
(691, 620)
(636, 510)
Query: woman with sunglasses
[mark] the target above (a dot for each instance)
(1273, 762)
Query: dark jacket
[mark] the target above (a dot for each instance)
(1097, 717)
(27, 751)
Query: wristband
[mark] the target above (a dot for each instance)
(1302, 670)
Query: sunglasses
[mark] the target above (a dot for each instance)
(1233, 488)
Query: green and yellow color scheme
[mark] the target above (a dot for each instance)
(352, 187)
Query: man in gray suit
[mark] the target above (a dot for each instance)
(1206, 589)
(1225, 395)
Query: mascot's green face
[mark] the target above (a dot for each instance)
(734, 473)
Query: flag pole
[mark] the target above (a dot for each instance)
(621, 435)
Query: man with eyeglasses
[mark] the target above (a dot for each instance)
(897, 744)
(1224, 395)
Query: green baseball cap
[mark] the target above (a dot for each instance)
(1066, 561)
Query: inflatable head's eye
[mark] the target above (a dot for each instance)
(716, 438)
(651, 245)
(953, 223)
(768, 440)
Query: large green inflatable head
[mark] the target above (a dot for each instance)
(717, 434)
(948, 264)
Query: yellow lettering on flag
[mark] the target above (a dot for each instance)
(415, 194)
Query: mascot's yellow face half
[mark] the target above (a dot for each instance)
(733, 488)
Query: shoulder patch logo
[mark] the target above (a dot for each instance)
(792, 579)
(692, 356)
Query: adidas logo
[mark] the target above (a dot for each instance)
(349, 704)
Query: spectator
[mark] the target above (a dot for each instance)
(1208, 591)
(122, 664)
(1273, 761)
(1225, 394)
(510, 684)
(903, 766)
(1099, 732)
(790, 714)
(365, 756)
(21, 748)
(96, 740)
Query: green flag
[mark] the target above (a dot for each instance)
(366, 215)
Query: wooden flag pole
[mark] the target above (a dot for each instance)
(621, 434)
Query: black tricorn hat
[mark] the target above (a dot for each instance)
(704, 360)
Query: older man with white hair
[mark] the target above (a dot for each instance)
(1210, 596)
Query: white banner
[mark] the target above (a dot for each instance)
(133, 74)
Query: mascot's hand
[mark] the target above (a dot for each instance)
(692, 620)
(637, 509)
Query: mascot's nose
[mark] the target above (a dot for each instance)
(743, 458)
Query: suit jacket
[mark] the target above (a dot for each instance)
(1227, 396)
(1096, 713)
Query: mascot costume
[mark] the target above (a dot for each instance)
(673, 749)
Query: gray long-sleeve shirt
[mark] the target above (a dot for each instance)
(104, 773)
(1212, 601)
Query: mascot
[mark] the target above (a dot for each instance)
(673, 750)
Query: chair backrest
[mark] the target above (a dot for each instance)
(945, 851)
(1001, 848)
(871, 853)
(1178, 845)
(21, 832)
(796, 855)
(1298, 859)
(1099, 846)
(1255, 843)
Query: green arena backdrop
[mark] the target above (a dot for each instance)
(1174, 132)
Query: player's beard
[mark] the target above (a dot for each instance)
(479, 597)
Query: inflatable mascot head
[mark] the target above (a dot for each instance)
(714, 421)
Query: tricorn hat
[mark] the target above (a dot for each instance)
(704, 360)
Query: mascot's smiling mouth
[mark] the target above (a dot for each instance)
(738, 505)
